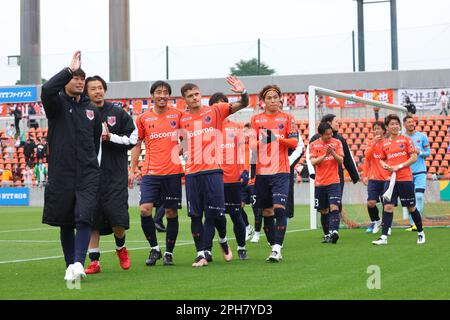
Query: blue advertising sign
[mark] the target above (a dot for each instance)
(18, 94)
(14, 196)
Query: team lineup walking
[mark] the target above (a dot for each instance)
(225, 165)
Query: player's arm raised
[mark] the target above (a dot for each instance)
(237, 86)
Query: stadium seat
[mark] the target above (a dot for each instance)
(433, 151)
(357, 130)
(432, 170)
(435, 163)
(358, 142)
(442, 133)
(366, 130)
(447, 157)
(438, 140)
(438, 157)
(435, 145)
(362, 136)
(435, 128)
(426, 128)
(444, 164)
(348, 131)
(442, 151)
(353, 136)
(432, 134)
(427, 163)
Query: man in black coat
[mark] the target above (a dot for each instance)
(349, 162)
(119, 136)
(74, 133)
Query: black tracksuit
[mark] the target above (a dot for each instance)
(112, 209)
(74, 133)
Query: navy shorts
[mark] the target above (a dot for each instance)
(327, 195)
(404, 190)
(375, 189)
(232, 197)
(164, 190)
(271, 190)
(205, 193)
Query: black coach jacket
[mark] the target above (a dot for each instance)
(74, 133)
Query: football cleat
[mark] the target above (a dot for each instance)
(160, 226)
(421, 238)
(326, 239)
(242, 254)
(274, 257)
(69, 276)
(124, 258)
(168, 259)
(255, 238)
(78, 271)
(389, 231)
(153, 257)
(370, 228)
(334, 237)
(208, 256)
(227, 256)
(200, 261)
(411, 228)
(94, 267)
(380, 241)
(249, 232)
(376, 226)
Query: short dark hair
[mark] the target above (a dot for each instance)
(380, 124)
(406, 118)
(323, 127)
(216, 97)
(79, 73)
(328, 118)
(160, 83)
(188, 86)
(266, 89)
(95, 78)
(391, 117)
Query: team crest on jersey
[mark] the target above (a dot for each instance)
(207, 119)
(401, 146)
(280, 126)
(173, 123)
(90, 114)
(112, 121)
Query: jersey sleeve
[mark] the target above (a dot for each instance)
(140, 127)
(223, 110)
(340, 149)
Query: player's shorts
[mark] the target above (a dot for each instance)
(111, 210)
(375, 190)
(271, 190)
(232, 197)
(404, 190)
(420, 182)
(164, 190)
(246, 194)
(205, 193)
(327, 195)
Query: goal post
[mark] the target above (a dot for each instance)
(318, 91)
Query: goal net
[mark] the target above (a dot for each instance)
(356, 115)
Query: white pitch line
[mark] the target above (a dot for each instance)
(129, 249)
(57, 241)
(24, 230)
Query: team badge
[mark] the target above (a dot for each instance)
(280, 126)
(112, 121)
(401, 146)
(207, 119)
(90, 114)
(173, 123)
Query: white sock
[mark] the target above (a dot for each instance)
(421, 233)
(223, 240)
(156, 248)
(383, 237)
(256, 233)
(168, 253)
(200, 253)
(241, 248)
(120, 248)
(277, 248)
(94, 250)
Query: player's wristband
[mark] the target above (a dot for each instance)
(400, 166)
(244, 92)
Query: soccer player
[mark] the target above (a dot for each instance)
(326, 155)
(74, 132)
(398, 153)
(119, 136)
(419, 169)
(374, 175)
(274, 133)
(349, 164)
(234, 176)
(204, 178)
(162, 170)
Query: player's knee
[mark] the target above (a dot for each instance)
(171, 213)
(324, 211)
(119, 231)
(371, 203)
(268, 212)
(278, 206)
(411, 209)
(334, 207)
(389, 208)
(146, 210)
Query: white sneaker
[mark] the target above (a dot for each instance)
(274, 257)
(249, 232)
(255, 238)
(389, 231)
(421, 238)
(380, 241)
(69, 276)
(78, 271)
(376, 226)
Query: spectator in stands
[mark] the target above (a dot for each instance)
(28, 150)
(7, 177)
(40, 150)
(376, 111)
(443, 103)
(17, 174)
(17, 113)
(40, 172)
(27, 175)
(410, 106)
(32, 123)
(10, 132)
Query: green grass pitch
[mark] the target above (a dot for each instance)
(32, 267)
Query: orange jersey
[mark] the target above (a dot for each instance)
(202, 131)
(233, 154)
(272, 158)
(160, 134)
(327, 171)
(395, 152)
(372, 165)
